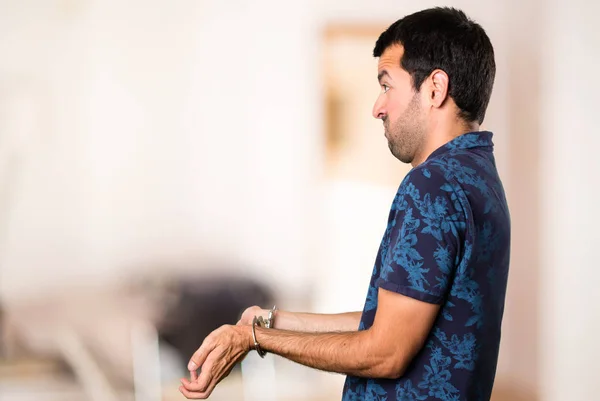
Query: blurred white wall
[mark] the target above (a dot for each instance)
(570, 197)
(166, 123)
(170, 130)
(160, 127)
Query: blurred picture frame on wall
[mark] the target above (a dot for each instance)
(354, 142)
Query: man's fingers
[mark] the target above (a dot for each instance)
(199, 357)
(191, 386)
(196, 390)
(204, 380)
(193, 395)
(209, 369)
(186, 382)
(199, 386)
(197, 395)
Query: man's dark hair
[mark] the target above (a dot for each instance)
(446, 39)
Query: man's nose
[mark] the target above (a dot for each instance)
(379, 109)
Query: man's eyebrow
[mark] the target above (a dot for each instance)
(382, 74)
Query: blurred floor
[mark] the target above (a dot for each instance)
(59, 389)
(47, 380)
(44, 380)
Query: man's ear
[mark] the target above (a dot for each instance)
(438, 88)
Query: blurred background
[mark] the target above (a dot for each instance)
(164, 165)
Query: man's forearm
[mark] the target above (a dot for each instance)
(353, 353)
(317, 323)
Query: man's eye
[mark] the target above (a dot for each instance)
(385, 88)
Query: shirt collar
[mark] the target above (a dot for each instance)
(470, 140)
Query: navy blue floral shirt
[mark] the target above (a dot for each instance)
(447, 242)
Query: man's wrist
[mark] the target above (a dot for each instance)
(247, 336)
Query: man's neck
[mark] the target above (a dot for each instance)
(441, 136)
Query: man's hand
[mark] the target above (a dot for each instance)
(249, 314)
(215, 358)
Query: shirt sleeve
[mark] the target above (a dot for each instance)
(426, 238)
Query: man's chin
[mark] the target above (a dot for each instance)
(398, 155)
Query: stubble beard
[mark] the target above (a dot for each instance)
(405, 136)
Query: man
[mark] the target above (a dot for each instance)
(430, 328)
